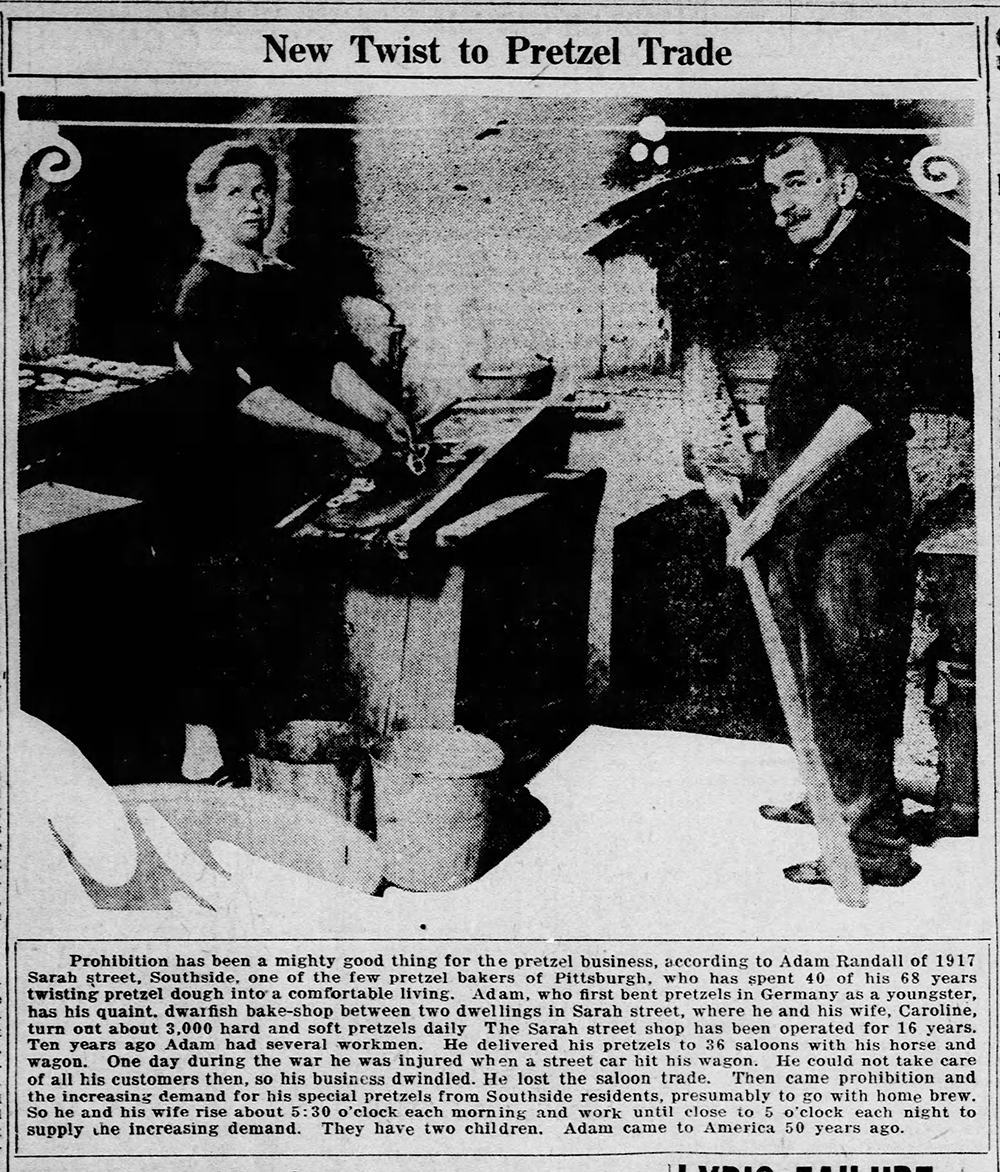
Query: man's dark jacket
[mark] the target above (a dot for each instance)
(850, 335)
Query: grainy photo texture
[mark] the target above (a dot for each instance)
(370, 450)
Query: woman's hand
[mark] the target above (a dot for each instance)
(272, 407)
(397, 427)
(351, 389)
(359, 449)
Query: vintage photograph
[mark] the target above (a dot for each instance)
(559, 499)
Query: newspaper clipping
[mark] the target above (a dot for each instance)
(499, 586)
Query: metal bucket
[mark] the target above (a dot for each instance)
(319, 761)
(433, 804)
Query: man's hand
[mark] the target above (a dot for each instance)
(844, 427)
(746, 532)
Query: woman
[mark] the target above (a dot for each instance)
(271, 413)
(270, 374)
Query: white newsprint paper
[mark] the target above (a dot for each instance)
(498, 617)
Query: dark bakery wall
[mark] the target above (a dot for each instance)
(102, 254)
(117, 243)
(48, 242)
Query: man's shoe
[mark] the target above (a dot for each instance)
(815, 872)
(798, 814)
(925, 827)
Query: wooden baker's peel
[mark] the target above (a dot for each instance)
(723, 452)
(836, 853)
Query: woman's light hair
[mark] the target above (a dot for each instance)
(203, 174)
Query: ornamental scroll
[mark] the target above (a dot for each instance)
(940, 170)
(60, 159)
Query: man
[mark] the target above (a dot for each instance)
(837, 509)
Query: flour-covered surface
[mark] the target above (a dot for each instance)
(657, 834)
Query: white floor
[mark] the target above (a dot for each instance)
(657, 835)
(653, 835)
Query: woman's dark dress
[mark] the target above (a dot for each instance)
(239, 332)
(254, 645)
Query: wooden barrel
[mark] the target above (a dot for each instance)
(432, 805)
(318, 761)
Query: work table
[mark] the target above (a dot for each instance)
(466, 605)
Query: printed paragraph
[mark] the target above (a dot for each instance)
(470, 1046)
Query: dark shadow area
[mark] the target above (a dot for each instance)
(685, 648)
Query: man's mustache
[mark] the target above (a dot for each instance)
(791, 219)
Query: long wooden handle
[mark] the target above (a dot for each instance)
(836, 851)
